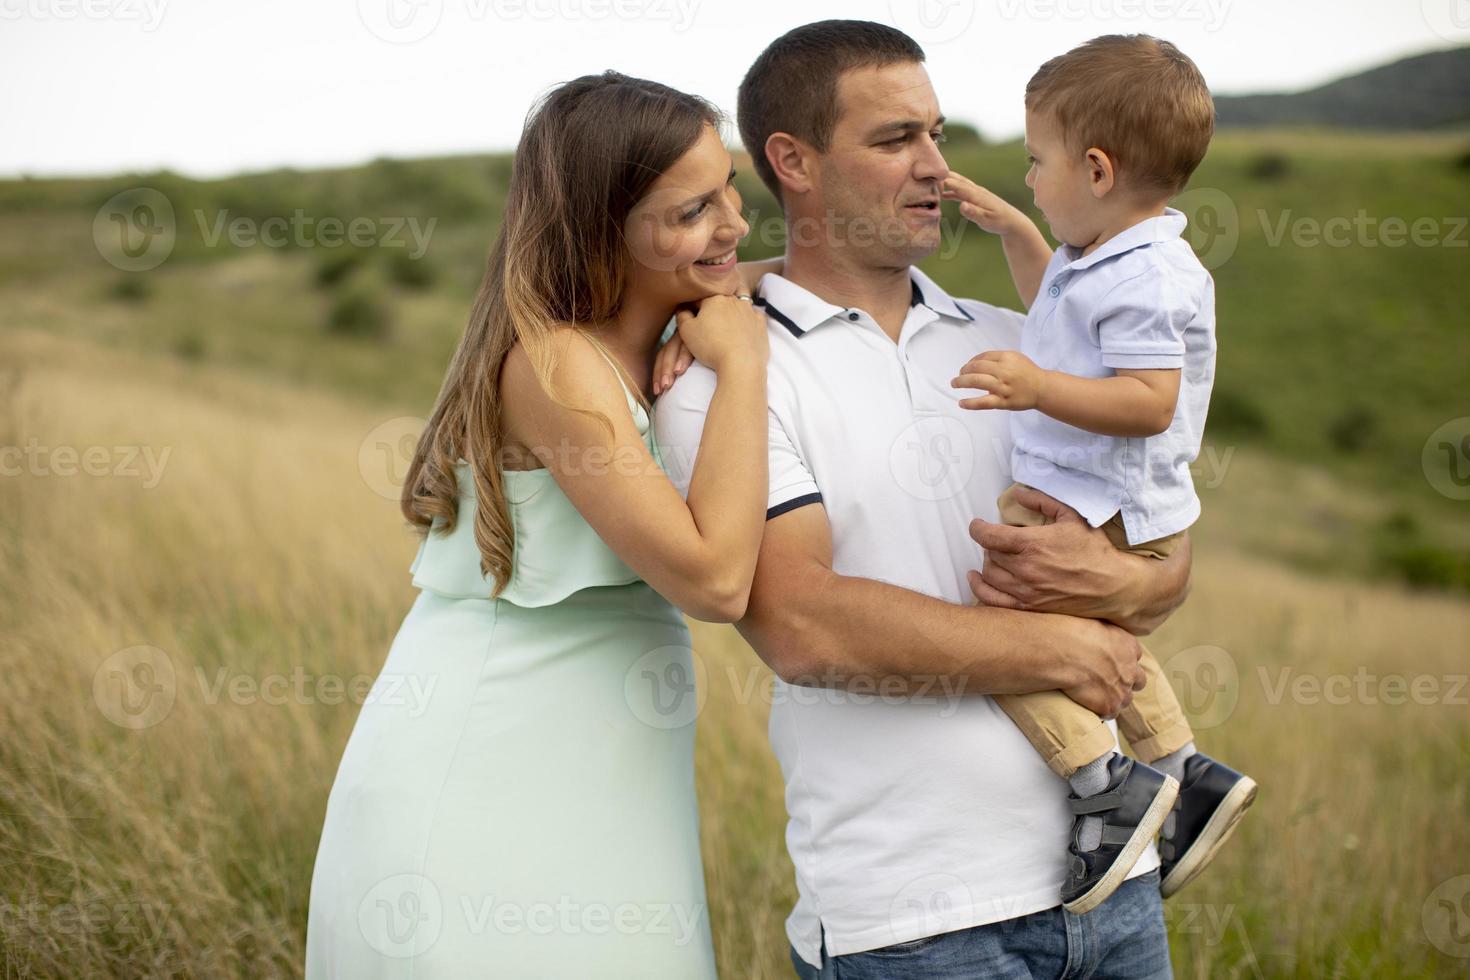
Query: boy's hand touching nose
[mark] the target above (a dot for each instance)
(1012, 380)
(981, 206)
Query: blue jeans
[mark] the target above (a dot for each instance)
(1122, 939)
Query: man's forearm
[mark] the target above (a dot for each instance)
(1068, 567)
(850, 632)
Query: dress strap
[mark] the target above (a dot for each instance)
(633, 402)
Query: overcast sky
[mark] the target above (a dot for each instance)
(209, 87)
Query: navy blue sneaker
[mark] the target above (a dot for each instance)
(1132, 809)
(1212, 801)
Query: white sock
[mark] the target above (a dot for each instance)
(1173, 763)
(1090, 780)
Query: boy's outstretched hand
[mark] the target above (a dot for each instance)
(986, 209)
(1027, 252)
(1012, 380)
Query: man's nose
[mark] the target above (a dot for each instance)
(930, 164)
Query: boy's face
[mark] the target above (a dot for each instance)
(1061, 182)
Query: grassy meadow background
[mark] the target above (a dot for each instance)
(281, 381)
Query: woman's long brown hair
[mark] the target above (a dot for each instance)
(589, 152)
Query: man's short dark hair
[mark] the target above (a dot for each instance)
(792, 87)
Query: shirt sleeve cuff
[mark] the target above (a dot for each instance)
(1140, 361)
(791, 503)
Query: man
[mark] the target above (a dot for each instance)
(928, 836)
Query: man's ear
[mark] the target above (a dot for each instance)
(1101, 171)
(793, 161)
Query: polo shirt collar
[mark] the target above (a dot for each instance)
(799, 310)
(1166, 227)
(928, 293)
(794, 307)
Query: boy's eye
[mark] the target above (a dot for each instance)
(939, 137)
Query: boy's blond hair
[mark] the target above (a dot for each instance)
(1135, 97)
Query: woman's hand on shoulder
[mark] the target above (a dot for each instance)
(614, 481)
(724, 332)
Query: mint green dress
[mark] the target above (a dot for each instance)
(517, 797)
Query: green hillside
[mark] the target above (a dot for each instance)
(1423, 92)
(1340, 260)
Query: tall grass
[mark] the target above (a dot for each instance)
(185, 848)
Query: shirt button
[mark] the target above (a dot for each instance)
(852, 316)
(1054, 291)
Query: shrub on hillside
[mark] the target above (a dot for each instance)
(360, 313)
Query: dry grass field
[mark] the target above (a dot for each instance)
(159, 809)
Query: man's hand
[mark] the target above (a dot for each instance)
(1069, 567)
(1012, 380)
(1109, 658)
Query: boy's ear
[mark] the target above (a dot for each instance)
(1101, 172)
(793, 161)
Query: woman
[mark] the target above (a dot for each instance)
(534, 815)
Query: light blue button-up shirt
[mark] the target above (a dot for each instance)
(1140, 300)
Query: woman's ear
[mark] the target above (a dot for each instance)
(792, 160)
(1102, 173)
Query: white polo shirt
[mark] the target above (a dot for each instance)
(908, 817)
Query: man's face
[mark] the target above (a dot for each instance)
(878, 183)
